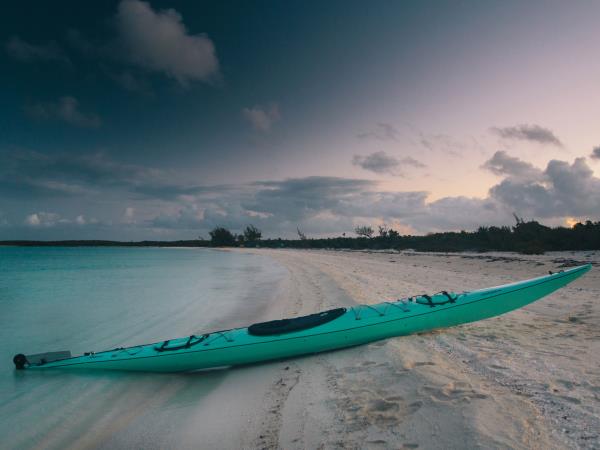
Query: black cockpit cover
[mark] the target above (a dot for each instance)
(296, 324)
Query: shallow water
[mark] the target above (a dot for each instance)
(91, 299)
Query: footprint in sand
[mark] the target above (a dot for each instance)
(415, 406)
(424, 363)
(452, 392)
(378, 344)
(413, 364)
(352, 369)
(383, 405)
(573, 400)
(566, 383)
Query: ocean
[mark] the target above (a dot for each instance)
(93, 298)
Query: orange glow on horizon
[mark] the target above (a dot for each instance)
(571, 221)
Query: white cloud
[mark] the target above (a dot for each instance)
(595, 153)
(48, 220)
(129, 215)
(159, 41)
(33, 220)
(43, 219)
(262, 118)
(65, 109)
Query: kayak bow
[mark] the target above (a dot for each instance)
(328, 330)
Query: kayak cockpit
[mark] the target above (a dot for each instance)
(296, 324)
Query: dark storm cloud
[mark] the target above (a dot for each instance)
(381, 132)
(595, 153)
(384, 163)
(30, 53)
(532, 133)
(159, 41)
(66, 109)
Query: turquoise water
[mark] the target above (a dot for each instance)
(91, 299)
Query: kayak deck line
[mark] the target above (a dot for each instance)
(339, 332)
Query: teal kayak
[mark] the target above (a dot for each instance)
(328, 330)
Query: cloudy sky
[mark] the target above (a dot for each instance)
(160, 120)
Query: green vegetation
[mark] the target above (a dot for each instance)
(222, 237)
(252, 234)
(524, 237)
(365, 231)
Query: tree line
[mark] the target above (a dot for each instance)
(529, 237)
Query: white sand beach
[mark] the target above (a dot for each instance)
(528, 379)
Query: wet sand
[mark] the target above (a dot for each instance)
(528, 379)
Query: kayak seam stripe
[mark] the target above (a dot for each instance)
(327, 332)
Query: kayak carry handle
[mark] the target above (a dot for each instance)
(429, 299)
(192, 340)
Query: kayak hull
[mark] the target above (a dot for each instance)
(358, 325)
